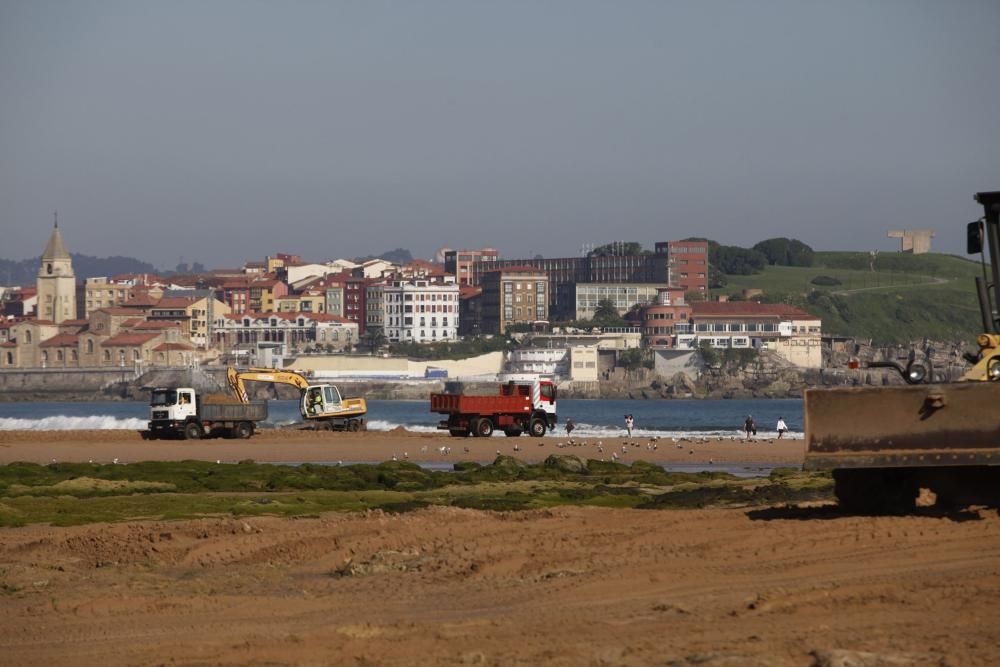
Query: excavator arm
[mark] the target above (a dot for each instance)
(238, 379)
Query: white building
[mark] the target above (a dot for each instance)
(788, 331)
(420, 310)
(293, 331)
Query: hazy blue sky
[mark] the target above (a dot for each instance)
(221, 131)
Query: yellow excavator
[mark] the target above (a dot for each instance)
(320, 404)
(885, 444)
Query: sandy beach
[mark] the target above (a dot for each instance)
(372, 446)
(802, 585)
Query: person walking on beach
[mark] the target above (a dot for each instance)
(629, 422)
(569, 426)
(782, 427)
(749, 427)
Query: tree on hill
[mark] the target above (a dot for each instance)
(732, 260)
(786, 252)
(618, 248)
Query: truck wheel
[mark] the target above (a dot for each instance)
(193, 431)
(512, 432)
(875, 491)
(354, 426)
(243, 430)
(484, 427)
(537, 427)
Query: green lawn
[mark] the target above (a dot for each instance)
(907, 297)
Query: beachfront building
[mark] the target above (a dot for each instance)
(420, 309)
(293, 332)
(664, 319)
(789, 332)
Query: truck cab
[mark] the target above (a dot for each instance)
(173, 404)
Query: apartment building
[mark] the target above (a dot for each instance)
(687, 264)
(374, 305)
(514, 295)
(103, 292)
(459, 263)
(421, 309)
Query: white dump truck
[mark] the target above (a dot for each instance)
(183, 412)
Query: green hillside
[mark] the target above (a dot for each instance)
(906, 297)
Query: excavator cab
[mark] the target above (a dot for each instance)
(320, 400)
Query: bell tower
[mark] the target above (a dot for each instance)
(56, 281)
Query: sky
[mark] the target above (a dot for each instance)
(223, 131)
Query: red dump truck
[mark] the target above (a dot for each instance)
(517, 407)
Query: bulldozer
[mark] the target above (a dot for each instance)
(884, 445)
(320, 405)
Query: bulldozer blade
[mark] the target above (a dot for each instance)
(934, 424)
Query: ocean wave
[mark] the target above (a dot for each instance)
(64, 423)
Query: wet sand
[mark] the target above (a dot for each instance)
(269, 445)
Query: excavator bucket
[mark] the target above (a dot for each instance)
(919, 425)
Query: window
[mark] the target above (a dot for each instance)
(74, 355)
(90, 347)
(107, 355)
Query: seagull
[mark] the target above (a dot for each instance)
(406, 455)
(394, 457)
(516, 447)
(218, 461)
(114, 461)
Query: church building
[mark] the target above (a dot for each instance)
(56, 282)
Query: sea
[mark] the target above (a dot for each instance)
(593, 418)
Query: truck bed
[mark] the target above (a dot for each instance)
(907, 426)
(253, 412)
(483, 405)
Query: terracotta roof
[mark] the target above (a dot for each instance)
(8, 344)
(175, 302)
(747, 309)
(141, 300)
(129, 340)
(117, 310)
(467, 291)
(133, 321)
(62, 340)
(156, 324)
(74, 323)
(165, 347)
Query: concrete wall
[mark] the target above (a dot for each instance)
(351, 366)
(668, 363)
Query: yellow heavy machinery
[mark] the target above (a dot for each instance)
(320, 404)
(885, 444)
